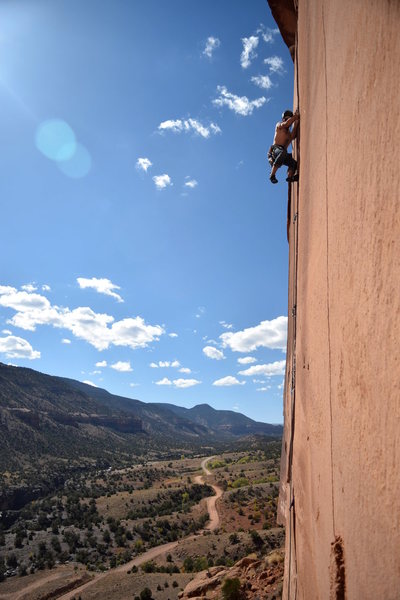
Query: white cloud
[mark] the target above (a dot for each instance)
(179, 383)
(214, 353)
(102, 286)
(164, 381)
(122, 366)
(96, 372)
(268, 334)
(185, 383)
(10, 297)
(162, 181)
(263, 389)
(16, 347)
(65, 341)
(191, 183)
(211, 44)
(102, 363)
(200, 311)
(236, 407)
(162, 364)
(7, 332)
(134, 333)
(46, 288)
(143, 164)
(247, 360)
(29, 287)
(275, 368)
(241, 105)
(185, 370)
(90, 383)
(134, 384)
(228, 381)
(275, 64)
(189, 125)
(226, 325)
(209, 341)
(173, 335)
(248, 54)
(263, 81)
(98, 329)
(268, 34)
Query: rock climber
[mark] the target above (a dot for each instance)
(277, 153)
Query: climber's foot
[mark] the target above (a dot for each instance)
(292, 178)
(273, 179)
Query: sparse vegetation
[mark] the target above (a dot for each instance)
(231, 589)
(101, 519)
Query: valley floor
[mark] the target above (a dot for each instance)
(153, 526)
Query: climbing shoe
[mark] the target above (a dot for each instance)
(293, 178)
(273, 179)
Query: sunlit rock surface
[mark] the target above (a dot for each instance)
(341, 443)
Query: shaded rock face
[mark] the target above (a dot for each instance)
(341, 449)
(284, 13)
(258, 579)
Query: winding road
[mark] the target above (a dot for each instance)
(211, 500)
(163, 548)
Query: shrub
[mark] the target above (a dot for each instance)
(231, 589)
(256, 538)
(149, 567)
(146, 594)
(188, 564)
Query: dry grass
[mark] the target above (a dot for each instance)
(117, 586)
(36, 586)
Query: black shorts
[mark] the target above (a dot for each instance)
(279, 156)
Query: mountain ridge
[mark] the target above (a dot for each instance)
(46, 415)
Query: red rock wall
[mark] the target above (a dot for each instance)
(341, 459)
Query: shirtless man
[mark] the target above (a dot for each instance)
(277, 153)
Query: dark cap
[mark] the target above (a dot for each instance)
(287, 114)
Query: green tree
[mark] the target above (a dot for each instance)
(146, 594)
(231, 589)
(256, 538)
(188, 564)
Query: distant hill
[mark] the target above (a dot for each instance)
(45, 419)
(223, 422)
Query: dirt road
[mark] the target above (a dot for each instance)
(138, 560)
(211, 501)
(154, 552)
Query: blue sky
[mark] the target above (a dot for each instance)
(139, 229)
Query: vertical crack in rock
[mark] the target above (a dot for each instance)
(337, 571)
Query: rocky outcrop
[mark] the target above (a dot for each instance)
(258, 578)
(340, 483)
(285, 15)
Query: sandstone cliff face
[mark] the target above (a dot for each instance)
(340, 484)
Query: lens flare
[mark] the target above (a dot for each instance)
(78, 165)
(56, 140)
